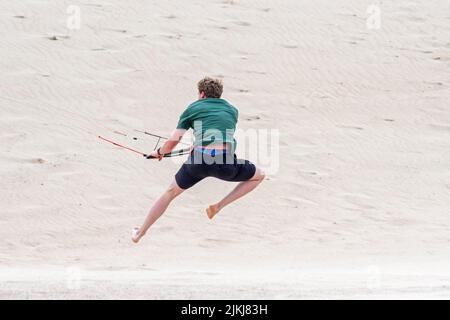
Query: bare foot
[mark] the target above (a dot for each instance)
(212, 210)
(135, 235)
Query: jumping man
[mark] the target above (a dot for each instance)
(213, 121)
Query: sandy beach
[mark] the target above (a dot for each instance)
(356, 207)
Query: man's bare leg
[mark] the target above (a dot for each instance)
(239, 191)
(157, 210)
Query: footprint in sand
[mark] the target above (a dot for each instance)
(218, 241)
(442, 58)
(242, 23)
(56, 37)
(348, 14)
(434, 84)
(37, 160)
(312, 173)
(170, 16)
(117, 30)
(350, 127)
(172, 36)
(290, 46)
(255, 72)
(252, 118)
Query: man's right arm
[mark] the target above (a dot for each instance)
(183, 125)
(174, 139)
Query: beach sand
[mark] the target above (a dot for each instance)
(358, 208)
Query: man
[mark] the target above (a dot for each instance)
(214, 121)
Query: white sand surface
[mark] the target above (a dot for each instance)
(360, 205)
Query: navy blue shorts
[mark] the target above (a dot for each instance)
(219, 164)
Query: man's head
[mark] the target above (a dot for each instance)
(210, 88)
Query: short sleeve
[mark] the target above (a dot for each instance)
(235, 114)
(185, 120)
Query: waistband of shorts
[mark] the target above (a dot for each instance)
(211, 152)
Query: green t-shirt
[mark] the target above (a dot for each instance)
(213, 121)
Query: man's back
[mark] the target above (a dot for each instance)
(212, 119)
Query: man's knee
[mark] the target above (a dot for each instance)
(174, 190)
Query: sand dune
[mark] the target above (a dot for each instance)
(358, 208)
